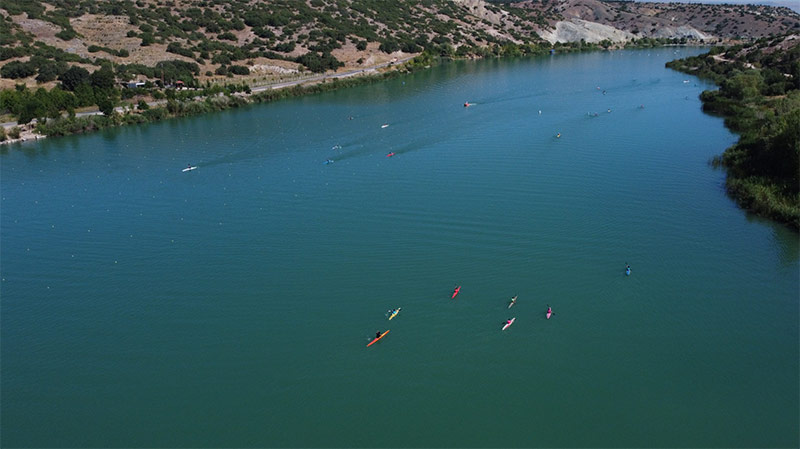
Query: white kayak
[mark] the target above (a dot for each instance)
(509, 323)
(513, 301)
(189, 168)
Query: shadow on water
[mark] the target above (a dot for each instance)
(786, 240)
(504, 99)
(239, 156)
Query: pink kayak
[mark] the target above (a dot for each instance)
(549, 312)
(509, 323)
(455, 292)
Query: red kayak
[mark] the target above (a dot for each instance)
(377, 338)
(549, 312)
(390, 154)
(455, 292)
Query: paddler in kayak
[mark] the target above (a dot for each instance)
(466, 104)
(514, 299)
(378, 334)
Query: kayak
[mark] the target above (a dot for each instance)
(376, 339)
(394, 314)
(507, 325)
(513, 301)
(627, 272)
(390, 154)
(385, 125)
(455, 292)
(189, 168)
(549, 313)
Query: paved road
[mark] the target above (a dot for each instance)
(330, 76)
(260, 88)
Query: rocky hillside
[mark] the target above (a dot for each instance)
(280, 39)
(595, 20)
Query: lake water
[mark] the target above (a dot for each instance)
(231, 305)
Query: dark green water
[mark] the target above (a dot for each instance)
(231, 305)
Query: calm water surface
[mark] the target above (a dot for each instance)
(231, 305)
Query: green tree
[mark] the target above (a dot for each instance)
(73, 77)
(106, 104)
(103, 78)
(743, 86)
(84, 95)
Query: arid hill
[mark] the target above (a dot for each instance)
(281, 39)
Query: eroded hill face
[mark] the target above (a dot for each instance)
(279, 39)
(594, 20)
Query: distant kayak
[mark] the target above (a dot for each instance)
(390, 154)
(466, 104)
(394, 314)
(190, 168)
(628, 271)
(329, 161)
(549, 313)
(509, 323)
(513, 301)
(376, 339)
(384, 125)
(455, 292)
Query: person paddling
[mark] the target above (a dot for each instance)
(378, 334)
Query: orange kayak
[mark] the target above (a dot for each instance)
(376, 339)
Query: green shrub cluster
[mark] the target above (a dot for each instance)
(759, 96)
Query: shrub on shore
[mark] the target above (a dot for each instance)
(764, 109)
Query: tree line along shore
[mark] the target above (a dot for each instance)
(759, 96)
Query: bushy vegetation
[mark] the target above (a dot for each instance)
(208, 29)
(759, 96)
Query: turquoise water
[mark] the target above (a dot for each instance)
(231, 305)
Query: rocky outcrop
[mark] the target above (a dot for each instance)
(576, 29)
(478, 9)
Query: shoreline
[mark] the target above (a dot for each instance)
(93, 120)
(258, 94)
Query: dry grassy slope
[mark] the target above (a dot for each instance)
(112, 31)
(569, 20)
